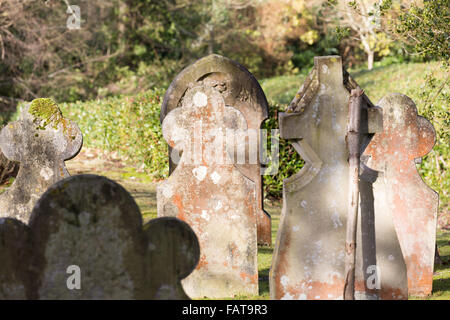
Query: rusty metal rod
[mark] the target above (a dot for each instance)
(353, 144)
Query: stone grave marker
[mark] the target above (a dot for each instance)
(91, 225)
(15, 252)
(41, 140)
(212, 196)
(308, 261)
(411, 203)
(240, 90)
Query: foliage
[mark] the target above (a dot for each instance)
(129, 125)
(289, 160)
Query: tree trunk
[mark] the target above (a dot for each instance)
(370, 57)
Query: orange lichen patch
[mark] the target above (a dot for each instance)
(249, 278)
(202, 263)
(420, 277)
(177, 200)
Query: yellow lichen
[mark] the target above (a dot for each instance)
(46, 112)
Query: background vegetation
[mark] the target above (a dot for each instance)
(111, 73)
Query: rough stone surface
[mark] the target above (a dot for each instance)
(15, 252)
(240, 90)
(411, 203)
(41, 149)
(212, 196)
(308, 261)
(93, 223)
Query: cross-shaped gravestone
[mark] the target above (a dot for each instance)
(41, 140)
(212, 196)
(412, 204)
(85, 240)
(242, 91)
(308, 261)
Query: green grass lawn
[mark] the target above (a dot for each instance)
(406, 78)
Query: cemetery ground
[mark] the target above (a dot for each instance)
(143, 190)
(404, 78)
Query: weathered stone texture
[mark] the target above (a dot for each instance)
(410, 202)
(41, 149)
(308, 261)
(212, 196)
(93, 223)
(241, 91)
(15, 252)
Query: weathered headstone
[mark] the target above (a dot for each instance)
(211, 195)
(381, 270)
(241, 91)
(41, 140)
(411, 203)
(308, 261)
(15, 252)
(91, 225)
(173, 253)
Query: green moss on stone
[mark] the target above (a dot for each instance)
(46, 112)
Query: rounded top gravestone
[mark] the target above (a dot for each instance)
(88, 242)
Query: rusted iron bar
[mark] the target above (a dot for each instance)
(353, 144)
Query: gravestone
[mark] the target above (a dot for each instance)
(411, 203)
(92, 223)
(241, 91)
(41, 140)
(15, 252)
(308, 260)
(211, 195)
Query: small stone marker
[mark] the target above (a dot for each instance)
(15, 252)
(308, 260)
(240, 90)
(41, 141)
(411, 203)
(212, 196)
(92, 225)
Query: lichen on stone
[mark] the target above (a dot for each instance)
(46, 112)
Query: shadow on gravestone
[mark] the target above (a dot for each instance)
(212, 196)
(240, 90)
(15, 253)
(41, 140)
(411, 203)
(92, 225)
(308, 261)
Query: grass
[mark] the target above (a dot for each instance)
(405, 78)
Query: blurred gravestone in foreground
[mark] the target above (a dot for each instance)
(85, 240)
